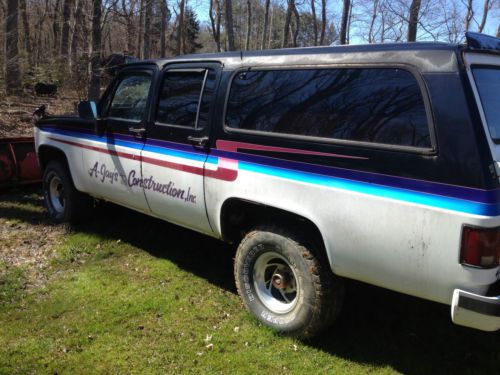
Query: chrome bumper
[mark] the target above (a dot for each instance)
(475, 311)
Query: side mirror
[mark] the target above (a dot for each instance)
(87, 110)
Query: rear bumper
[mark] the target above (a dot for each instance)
(475, 311)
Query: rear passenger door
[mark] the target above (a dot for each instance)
(175, 152)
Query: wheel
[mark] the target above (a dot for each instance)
(286, 285)
(64, 203)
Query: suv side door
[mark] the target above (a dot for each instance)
(175, 153)
(113, 165)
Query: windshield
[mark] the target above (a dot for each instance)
(488, 84)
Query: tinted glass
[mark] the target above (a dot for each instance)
(179, 97)
(488, 85)
(369, 105)
(130, 98)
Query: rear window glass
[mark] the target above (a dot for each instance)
(488, 85)
(366, 105)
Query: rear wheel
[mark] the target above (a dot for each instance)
(64, 203)
(285, 284)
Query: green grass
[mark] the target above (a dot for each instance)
(130, 294)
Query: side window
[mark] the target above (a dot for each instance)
(185, 97)
(130, 98)
(366, 105)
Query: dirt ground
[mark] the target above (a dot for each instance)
(27, 239)
(16, 111)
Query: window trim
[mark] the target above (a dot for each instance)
(333, 141)
(200, 97)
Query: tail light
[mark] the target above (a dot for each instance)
(480, 247)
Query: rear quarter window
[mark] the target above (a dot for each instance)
(374, 105)
(488, 85)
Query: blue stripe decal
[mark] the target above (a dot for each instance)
(378, 190)
(456, 198)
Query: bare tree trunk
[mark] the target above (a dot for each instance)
(297, 24)
(486, 8)
(371, 38)
(68, 4)
(229, 25)
(26, 29)
(249, 25)
(271, 25)
(146, 53)
(469, 16)
(180, 29)
(78, 31)
(344, 21)
(56, 28)
(130, 24)
(286, 28)
(215, 22)
(95, 78)
(323, 22)
(498, 31)
(266, 24)
(12, 74)
(163, 36)
(413, 20)
(315, 22)
(139, 30)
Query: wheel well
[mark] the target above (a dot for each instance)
(239, 216)
(48, 153)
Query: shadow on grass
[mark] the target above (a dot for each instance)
(376, 326)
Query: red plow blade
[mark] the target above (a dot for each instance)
(18, 162)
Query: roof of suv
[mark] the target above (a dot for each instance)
(425, 56)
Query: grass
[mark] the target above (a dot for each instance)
(131, 294)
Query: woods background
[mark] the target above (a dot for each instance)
(65, 42)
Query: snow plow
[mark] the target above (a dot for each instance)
(18, 162)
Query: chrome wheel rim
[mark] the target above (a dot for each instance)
(275, 282)
(56, 194)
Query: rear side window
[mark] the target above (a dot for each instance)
(185, 97)
(488, 85)
(366, 105)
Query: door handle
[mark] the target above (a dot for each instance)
(198, 141)
(137, 131)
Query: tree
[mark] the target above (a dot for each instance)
(190, 32)
(315, 24)
(266, 24)
(229, 25)
(486, 8)
(180, 28)
(215, 21)
(165, 15)
(249, 25)
(95, 78)
(65, 60)
(323, 23)
(12, 73)
(413, 20)
(345, 21)
(146, 53)
(26, 28)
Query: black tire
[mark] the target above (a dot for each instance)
(64, 203)
(304, 298)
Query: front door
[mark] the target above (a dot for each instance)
(175, 152)
(113, 160)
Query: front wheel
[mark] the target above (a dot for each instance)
(286, 285)
(64, 203)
